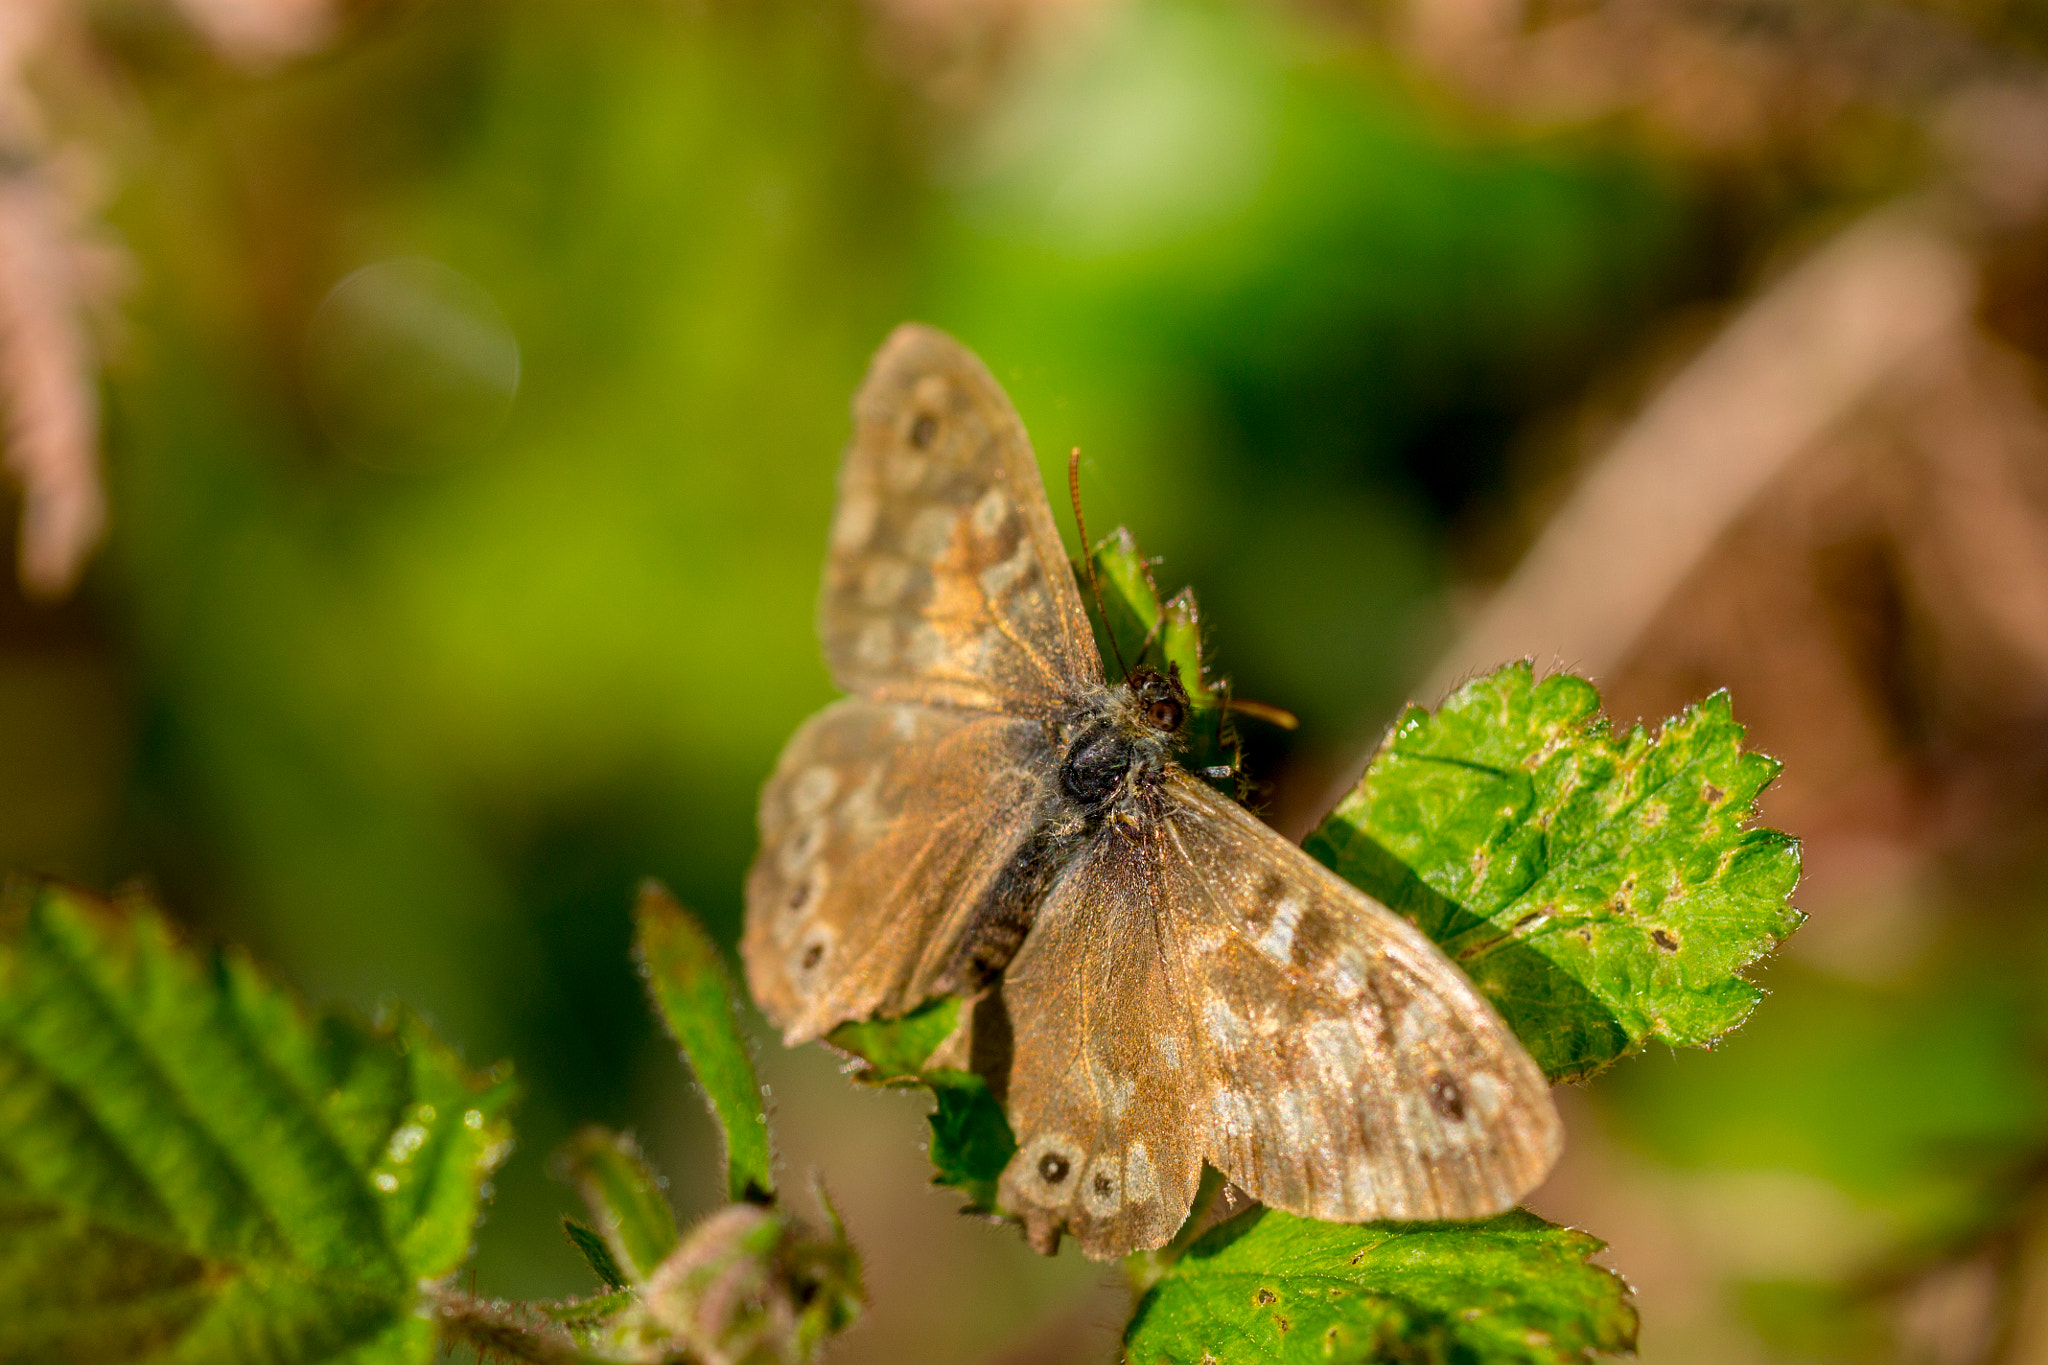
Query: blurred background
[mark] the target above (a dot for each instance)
(420, 427)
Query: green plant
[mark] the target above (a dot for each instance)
(194, 1168)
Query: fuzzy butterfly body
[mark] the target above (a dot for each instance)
(1178, 983)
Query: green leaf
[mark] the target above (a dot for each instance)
(192, 1168)
(624, 1196)
(750, 1283)
(1268, 1288)
(597, 1254)
(1144, 628)
(896, 1050)
(1601, 889)
(695, 999)
(971, 1139)
(1140, 628)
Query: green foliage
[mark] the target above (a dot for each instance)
(596, 1252)
(1146, 629)
(1268, 1287)
(1138, 627)
(897, 1049)
(624, 1196)
(1600, 888)
(971, 1139)
(191, 1167)
(696, 1001)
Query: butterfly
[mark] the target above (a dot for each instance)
(986, 814)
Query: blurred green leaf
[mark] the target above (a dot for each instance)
(596, 1253)
(190, 1166)
(971, 1139)
(697, 1002)
(1270, 1287)
(1601, 889)
(624, 1196)
(897, 1049)
(749, 1284)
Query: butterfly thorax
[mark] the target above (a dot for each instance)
(1113, 746)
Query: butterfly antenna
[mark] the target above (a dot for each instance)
(1088, 558)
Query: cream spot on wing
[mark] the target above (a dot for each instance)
(931, 531)
(861, 813)
(1000, 580)
(1117, 1096)
(905, 471)
(800, 847)
(1049, 1167)
(1141, 1183)
(1294, 1112)
(812, 791)
(876, 647)
(1225, 1028)
(990, 513)
(1412, 1025)
(884, 581)
(1484, 1093)
(1344, 973)
(1336, 1049)
(926, 648)
(1233, 1112)
(1169, 1050)
(1102, 1187)
(1278, 940)
(1361, 1189)
(854, 527)
(905, 721)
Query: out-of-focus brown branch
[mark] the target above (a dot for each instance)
(48, 374)
(1788, 367)
(56, 274)
(258, 33)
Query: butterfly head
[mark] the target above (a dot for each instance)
(1158, 699)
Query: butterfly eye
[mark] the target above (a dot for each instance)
(923, 430)
(1164, 715)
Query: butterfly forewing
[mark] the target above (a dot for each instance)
(949, 610)
(946, 582)
(1297, 1035)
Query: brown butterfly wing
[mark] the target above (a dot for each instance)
(1265, 1016)
(948, 607)
(946, 582)
(881, 828)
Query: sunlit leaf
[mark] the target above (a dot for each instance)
(971, 1139)
(897, 1049)
(192, 1168)
(1268, 1288)
(1603, 889)
(625, 1198)
(596, 1253)
(696, 1000)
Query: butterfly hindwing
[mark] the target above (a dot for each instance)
(946, 581)
(1295, 1034)
(881, 829)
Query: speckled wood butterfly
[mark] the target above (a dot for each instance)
(986, 814)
